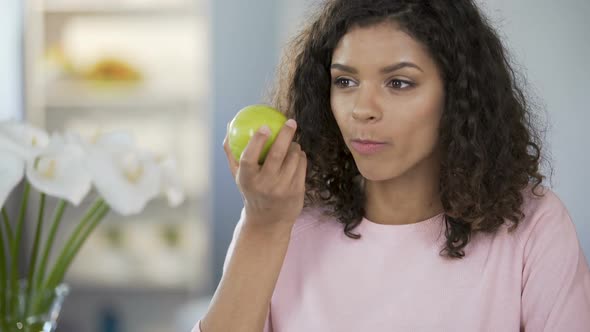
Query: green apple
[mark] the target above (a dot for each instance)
(247, 121)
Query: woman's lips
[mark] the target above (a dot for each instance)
(367, 147)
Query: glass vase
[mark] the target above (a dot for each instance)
(31, 310)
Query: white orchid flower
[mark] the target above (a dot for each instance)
(113, 140)
(125, 177)
(171, 184)
(11, 173)
(18, 144)
(59, 170)
(22, 139)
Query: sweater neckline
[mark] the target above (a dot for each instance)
(420, 226)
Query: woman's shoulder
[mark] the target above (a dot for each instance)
(540, 194)
(544, 213)
(540, 203)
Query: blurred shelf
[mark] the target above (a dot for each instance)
(83, 289)
(183, 8)
(73, 94)
(135, 287)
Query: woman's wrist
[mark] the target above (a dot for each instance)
(277, 230)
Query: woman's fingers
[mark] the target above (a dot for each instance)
(290, 163)
(284, 166)
(248, 163)
(279, 149)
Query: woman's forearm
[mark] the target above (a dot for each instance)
(242, 298)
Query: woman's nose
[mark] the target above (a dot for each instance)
(366, 108)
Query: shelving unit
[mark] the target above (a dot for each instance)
(162, 252)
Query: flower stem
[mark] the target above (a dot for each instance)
(9, 236)
(30, 285)
(58, 213)
(92, 218)
(52, 279)
(15, 246)
(69, 258)
(3, 282)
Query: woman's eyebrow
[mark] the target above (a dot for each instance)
(385, 70)
(398, 66)
(345, 68)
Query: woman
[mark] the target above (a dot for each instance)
(412, 199)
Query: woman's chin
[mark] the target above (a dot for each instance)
(377, 173)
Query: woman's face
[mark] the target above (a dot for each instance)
(387, 96)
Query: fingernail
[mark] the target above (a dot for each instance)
(264, 130)
(291, 123)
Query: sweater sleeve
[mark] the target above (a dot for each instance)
(267, 325)
(556, 278)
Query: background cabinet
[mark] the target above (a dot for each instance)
(140, 66)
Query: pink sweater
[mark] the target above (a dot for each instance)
(393, 279)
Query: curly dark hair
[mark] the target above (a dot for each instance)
(490, 144)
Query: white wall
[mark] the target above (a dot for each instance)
(291, 15)
(10, 60)
(244, 55)
(551, 40)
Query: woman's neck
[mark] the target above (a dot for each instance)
(409, 198)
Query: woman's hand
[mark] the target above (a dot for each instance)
(273, 192)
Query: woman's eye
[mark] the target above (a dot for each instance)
(400, 84)
(343, 82)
